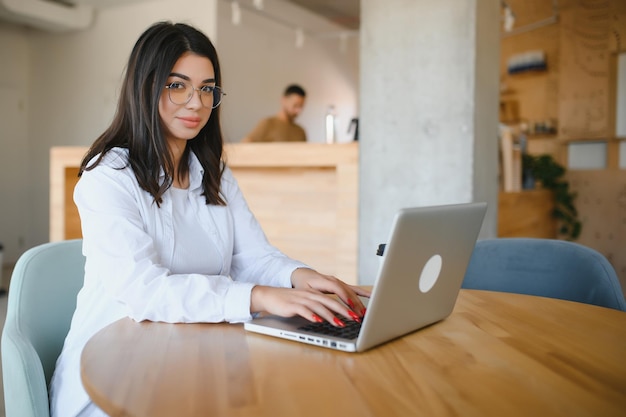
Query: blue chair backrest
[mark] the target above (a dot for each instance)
(544, 267)
(42, 299)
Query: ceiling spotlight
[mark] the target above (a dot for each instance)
(299, 38)
(235, 11)
(258, 4)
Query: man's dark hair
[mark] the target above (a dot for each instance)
(294, 89)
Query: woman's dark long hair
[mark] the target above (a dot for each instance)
(137, 124)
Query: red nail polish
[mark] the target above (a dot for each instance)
(351, 304)
(339, 322)
(354, 316)
(317, 318)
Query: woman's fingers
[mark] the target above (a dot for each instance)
(354, 301)
(309, 304)
(308, 278)
(336, 312)
(326, 307)
(347, 293)
(361, 291)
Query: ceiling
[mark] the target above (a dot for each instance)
(344, 13)
(76, 14)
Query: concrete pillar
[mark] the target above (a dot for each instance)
(429, 112)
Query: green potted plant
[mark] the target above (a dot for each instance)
(549, 173)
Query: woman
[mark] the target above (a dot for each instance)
(167, 234)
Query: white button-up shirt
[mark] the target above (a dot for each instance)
(131, 255)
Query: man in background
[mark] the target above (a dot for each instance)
(282, 126)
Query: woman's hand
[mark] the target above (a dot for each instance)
(306, 278)
(308, 298)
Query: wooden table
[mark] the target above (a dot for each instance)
(496, 355)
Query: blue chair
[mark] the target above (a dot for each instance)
(42, 300)
(544, 267)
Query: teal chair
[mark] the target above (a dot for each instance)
(42, 300)
(544, 267)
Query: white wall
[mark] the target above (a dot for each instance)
(259, 59)
(15, 171)
(69, 84)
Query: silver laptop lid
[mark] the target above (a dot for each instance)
(422, 270)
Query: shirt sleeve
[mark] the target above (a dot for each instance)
(254, 259)
(123, 257)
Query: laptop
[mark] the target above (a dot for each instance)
(418, 282)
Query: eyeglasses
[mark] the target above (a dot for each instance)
(181, 93)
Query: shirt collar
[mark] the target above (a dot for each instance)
(196, 172)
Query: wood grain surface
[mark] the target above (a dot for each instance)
(497, 355)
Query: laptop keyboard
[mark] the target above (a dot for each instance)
(350, 331)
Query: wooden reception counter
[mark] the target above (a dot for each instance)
(303, 194)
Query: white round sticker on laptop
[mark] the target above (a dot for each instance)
(430, 273)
